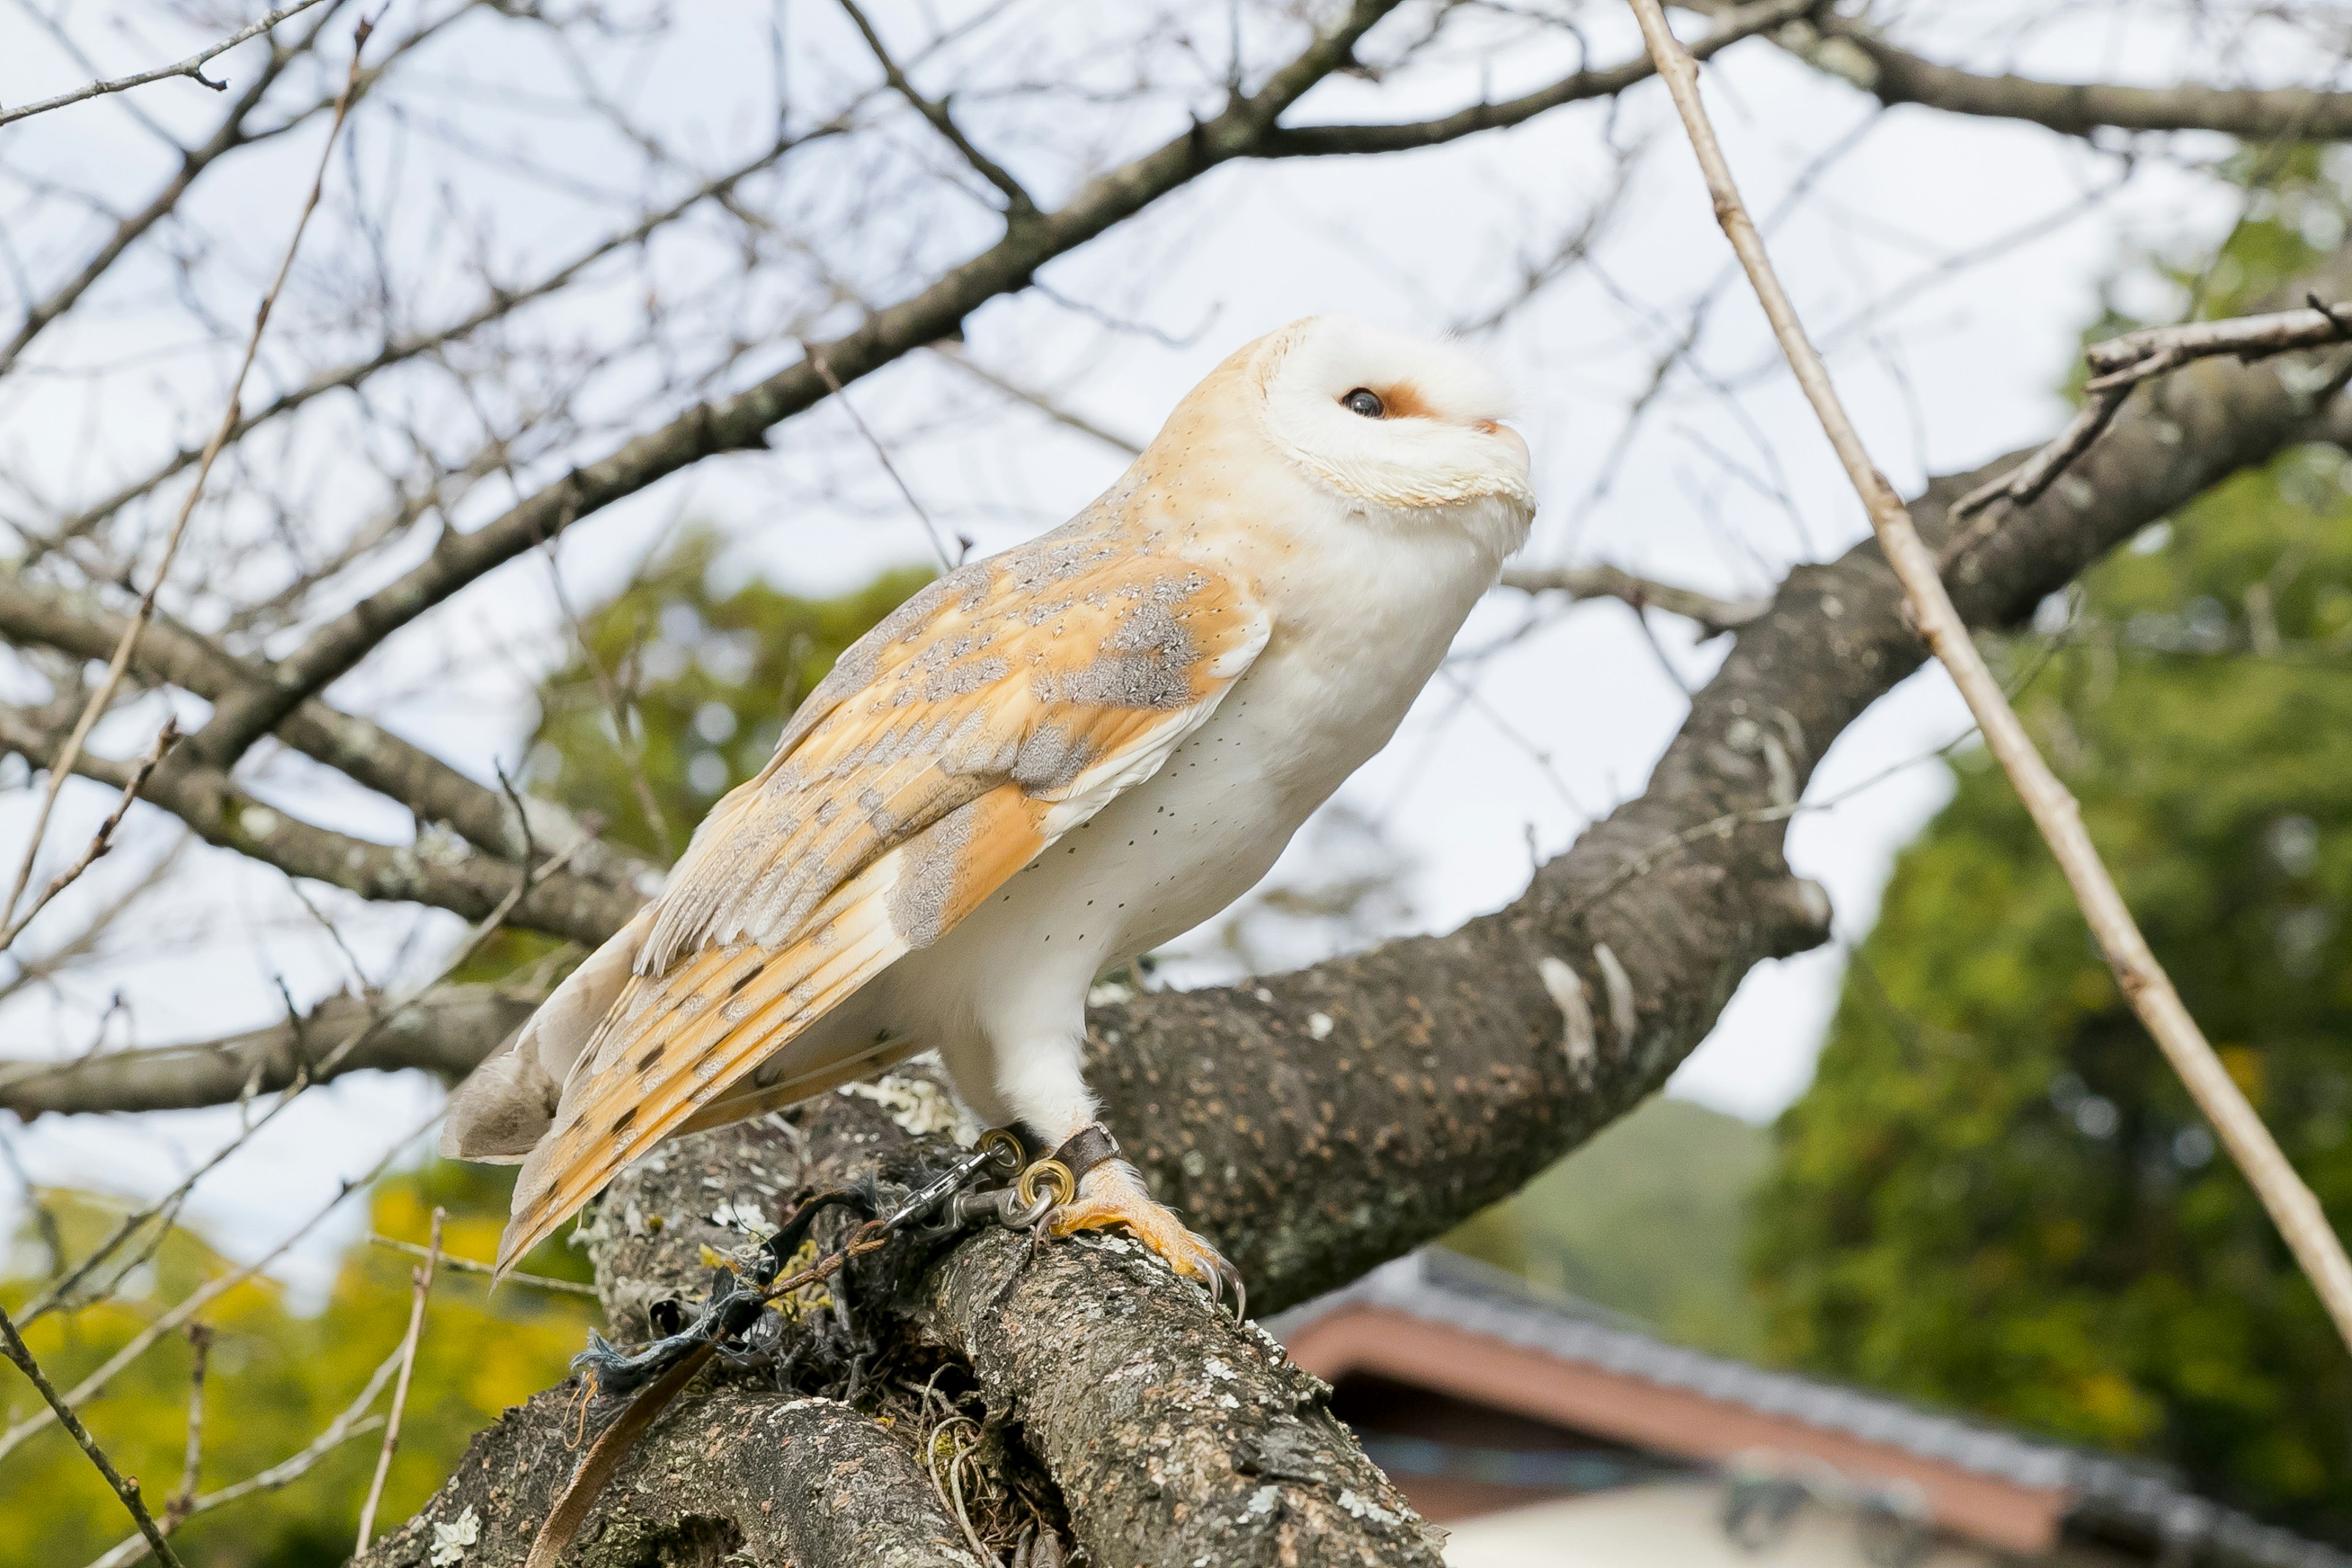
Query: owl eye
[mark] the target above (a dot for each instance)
(1366, 402)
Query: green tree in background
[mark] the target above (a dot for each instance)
(706, 680)
(1996, 1196)
(702, 679)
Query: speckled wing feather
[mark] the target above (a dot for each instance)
(995, 710)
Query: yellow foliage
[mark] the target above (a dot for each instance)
(276, 1376)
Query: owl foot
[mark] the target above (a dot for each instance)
(1113, 1194)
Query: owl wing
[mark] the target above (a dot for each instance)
(995, 710)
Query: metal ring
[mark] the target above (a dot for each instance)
(1043, 1171)
(1004, 1146)
(1025, 1218)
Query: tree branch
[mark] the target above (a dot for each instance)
(1735, 22)
(1858, 53)
(1016, 198)
(191, 68)
(1713, 615)
(74, 622)
(1166, 1431)
(445, 874)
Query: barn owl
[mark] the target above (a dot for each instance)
(1040, 766)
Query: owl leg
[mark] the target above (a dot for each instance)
(1041, 1085)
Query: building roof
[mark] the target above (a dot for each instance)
(2095, 1494)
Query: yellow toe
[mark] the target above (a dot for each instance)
(1114, 1199)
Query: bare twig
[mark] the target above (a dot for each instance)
(955, 355)
(12, 1345)
(2292, 1206)
(469, 1266)
(191, 68)
(61, 766)
(341, 1430)
(177, 1507)
(882, 455)
(1713, 615)
(1018, 203)
(2122, 363)
(103, 839)
(196, 1301)
(421, 1281)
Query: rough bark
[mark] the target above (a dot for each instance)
(1119, 1406)
(437, 1032)
(734, 1475)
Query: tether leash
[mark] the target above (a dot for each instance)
(654, 1373)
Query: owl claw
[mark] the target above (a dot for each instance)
(1114, 1196)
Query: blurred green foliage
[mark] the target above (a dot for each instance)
(1591, 1226)
(706, 678)
(706, 675)
(1996, 1195)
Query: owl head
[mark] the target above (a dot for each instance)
(1358, 426)
(1390, 420)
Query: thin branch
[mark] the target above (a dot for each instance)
(882, 455)
(181, 1503)
(471, 885)
(12, 1345)
(191, 68)
(422, 1279)
(103, 839)
(1895, 76)
(2124, 362)
(1713, 615)
(499, 304)
(469, 1266)
(955, 355)
(1325, 140)
(195, 1301)
(2055, 813)
(1018, 203)
(62, 767)
(341, 1430)
(75, 622)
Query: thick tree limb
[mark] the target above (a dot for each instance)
(446, 874)
(441, 1032)
(74, 622)
(1735, 22)
(739, 1474)
(1169, 1432)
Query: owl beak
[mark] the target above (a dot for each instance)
(1510, 438)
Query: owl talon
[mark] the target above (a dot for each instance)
(1113, 1195)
